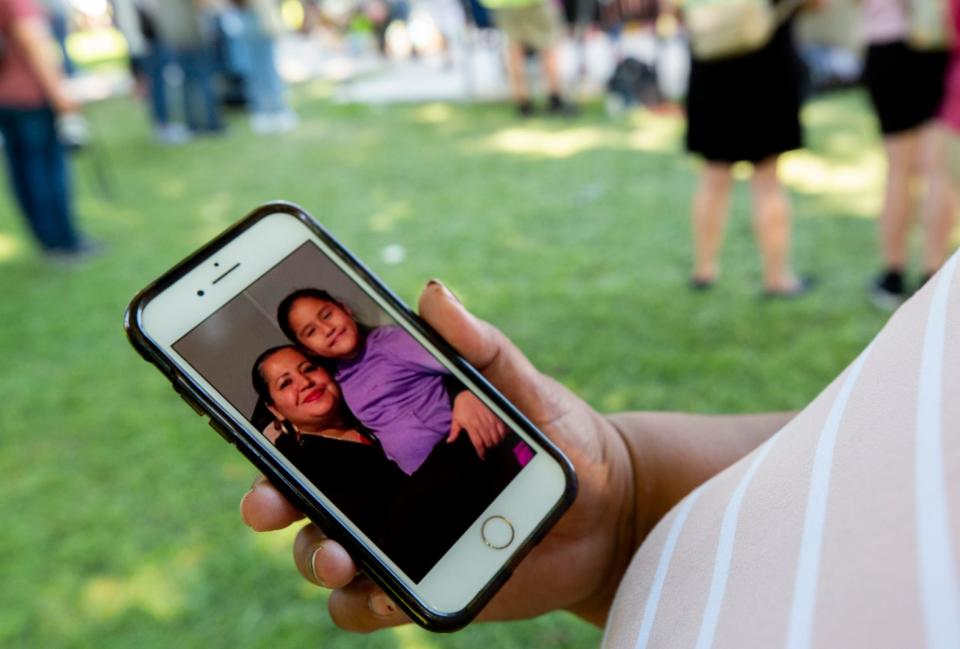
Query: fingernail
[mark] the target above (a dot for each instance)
(242, 517)
(244, 498)
(446, 291)
(313, 565)
(381, 605)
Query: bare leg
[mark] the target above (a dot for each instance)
(771, 218)
(902, 152)
(940, 205)
(550, 59)
(515, 71)
(710, 206)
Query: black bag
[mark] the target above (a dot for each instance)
(634, 82)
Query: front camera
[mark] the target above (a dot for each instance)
(200, 293)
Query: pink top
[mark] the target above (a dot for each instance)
(840, 531)
(884, 21)
(19, 86)
(950, 111)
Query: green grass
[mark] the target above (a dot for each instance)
(119, 505)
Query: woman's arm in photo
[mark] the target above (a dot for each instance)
(472, 417)
(469, 415)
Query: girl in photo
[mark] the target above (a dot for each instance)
(392, 384)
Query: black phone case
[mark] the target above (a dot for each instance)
(234, 433)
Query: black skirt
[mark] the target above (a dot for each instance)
(746, 107)
(906, 85)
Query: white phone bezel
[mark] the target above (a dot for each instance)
(470, 564)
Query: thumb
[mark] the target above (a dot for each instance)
(487, 349)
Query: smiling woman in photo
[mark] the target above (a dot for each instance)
(314, 430)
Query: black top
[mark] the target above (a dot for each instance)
(414, 519)
(358, 478)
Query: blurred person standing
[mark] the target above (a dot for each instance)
(150, 62)
(180, 26)
(533, 25)
(32, 99)
(58, 13)
(126, 18)
(746, 107)
(905, 79)
(950, 109)
(260, 25)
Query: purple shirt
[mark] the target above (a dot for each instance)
(396, 389)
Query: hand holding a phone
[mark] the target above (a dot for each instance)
(577, 566)
(484, 429)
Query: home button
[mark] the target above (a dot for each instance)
(497, 532)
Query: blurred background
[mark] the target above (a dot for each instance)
(394, 123)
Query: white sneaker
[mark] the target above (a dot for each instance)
(262, 123)
(265, 123)
(287, 121)
(172, 134)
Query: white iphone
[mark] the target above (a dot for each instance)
(356, 410)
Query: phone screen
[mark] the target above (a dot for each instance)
(366, 413)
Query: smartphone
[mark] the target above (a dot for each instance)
(354, 408)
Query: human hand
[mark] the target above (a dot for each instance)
(63, 103)
(576, 567)
(484, 428)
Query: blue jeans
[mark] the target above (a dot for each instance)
(155, 66)
(265, 88)
(37, 166)
(201, 105)
(264, 85)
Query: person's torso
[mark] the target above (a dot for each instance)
(402, 399)
(20, 86)
(884, 21)
(179, 24)
(841, 531)
(357, 477)
(268, 17)
(509, 4)
(950, 112)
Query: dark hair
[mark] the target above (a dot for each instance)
(260, 383)
(283, 311)
(263, 390)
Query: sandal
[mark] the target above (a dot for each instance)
(802, 286)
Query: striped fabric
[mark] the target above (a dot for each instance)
(843, 530)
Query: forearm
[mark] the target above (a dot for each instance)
(673, 453)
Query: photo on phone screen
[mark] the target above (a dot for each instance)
(365, 412)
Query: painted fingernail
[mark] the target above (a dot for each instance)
(381, 605)
(313, 565)
(446, 291)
